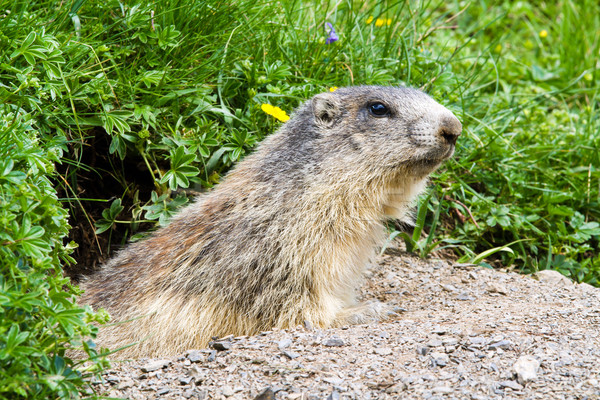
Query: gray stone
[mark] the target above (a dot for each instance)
(334, 396)
(494, 287)
(449, 288)
(554, 278)
(185, 380)
(197, 374)
(284, 344)
(526, 369)
(511, 384)
(290, 354)
(333, 380)
(212, 356)
(439, 330)
(440, 359)
(502, 344)
(267, 394)
(450, 341)
(333, 342)
(442, 389)
(155, 365)
(195, 356)
(125, 384)
(477, 340)
(220, 345)
(465, 297)
(227, 391)
(383, 351)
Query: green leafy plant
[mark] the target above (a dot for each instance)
(39, 318)
(415, 242)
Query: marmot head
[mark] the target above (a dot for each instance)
(393, 128)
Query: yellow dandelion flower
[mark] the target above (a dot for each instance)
(498, 48)
(383, 21)
(379, 22)
(543, 34)
(276, 112)
(333, 88)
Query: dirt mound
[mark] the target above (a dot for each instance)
(462, 332)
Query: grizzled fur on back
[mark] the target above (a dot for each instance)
(285, 238)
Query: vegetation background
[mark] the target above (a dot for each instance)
(113, 113)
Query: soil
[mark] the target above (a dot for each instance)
(461, 332)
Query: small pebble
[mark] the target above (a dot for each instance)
(220, 346)
(477, 340)
(440, 359)
(383, 351)
(334, 380)
(526, 369)
(185, 380)
(155, 365)
(334, 396)
(494, 287)
(125, 384)
(267, 394)
(449, 288)
(284, 344)
(511, 384)
(503, 344)
(290, 354)
(333, 342)
(227, 391)
(439, 330)
(450, 341)
(212, 356)
(195, 356)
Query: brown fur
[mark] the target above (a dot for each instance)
(286, 236)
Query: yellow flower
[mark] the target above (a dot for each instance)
(379, 22)
(333, 88)
(498, 48)
(383, 21)
(543, 33)
(275, 112)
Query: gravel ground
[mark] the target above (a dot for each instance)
(462, 332)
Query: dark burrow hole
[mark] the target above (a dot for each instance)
(101, 178)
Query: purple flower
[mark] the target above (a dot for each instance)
(332, 36)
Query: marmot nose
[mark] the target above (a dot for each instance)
(450, 129)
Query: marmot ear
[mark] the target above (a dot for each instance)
(327, 109)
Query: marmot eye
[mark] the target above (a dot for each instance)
(379, 110)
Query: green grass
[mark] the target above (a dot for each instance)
(142, 103)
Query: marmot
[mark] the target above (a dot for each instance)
(286, 236)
